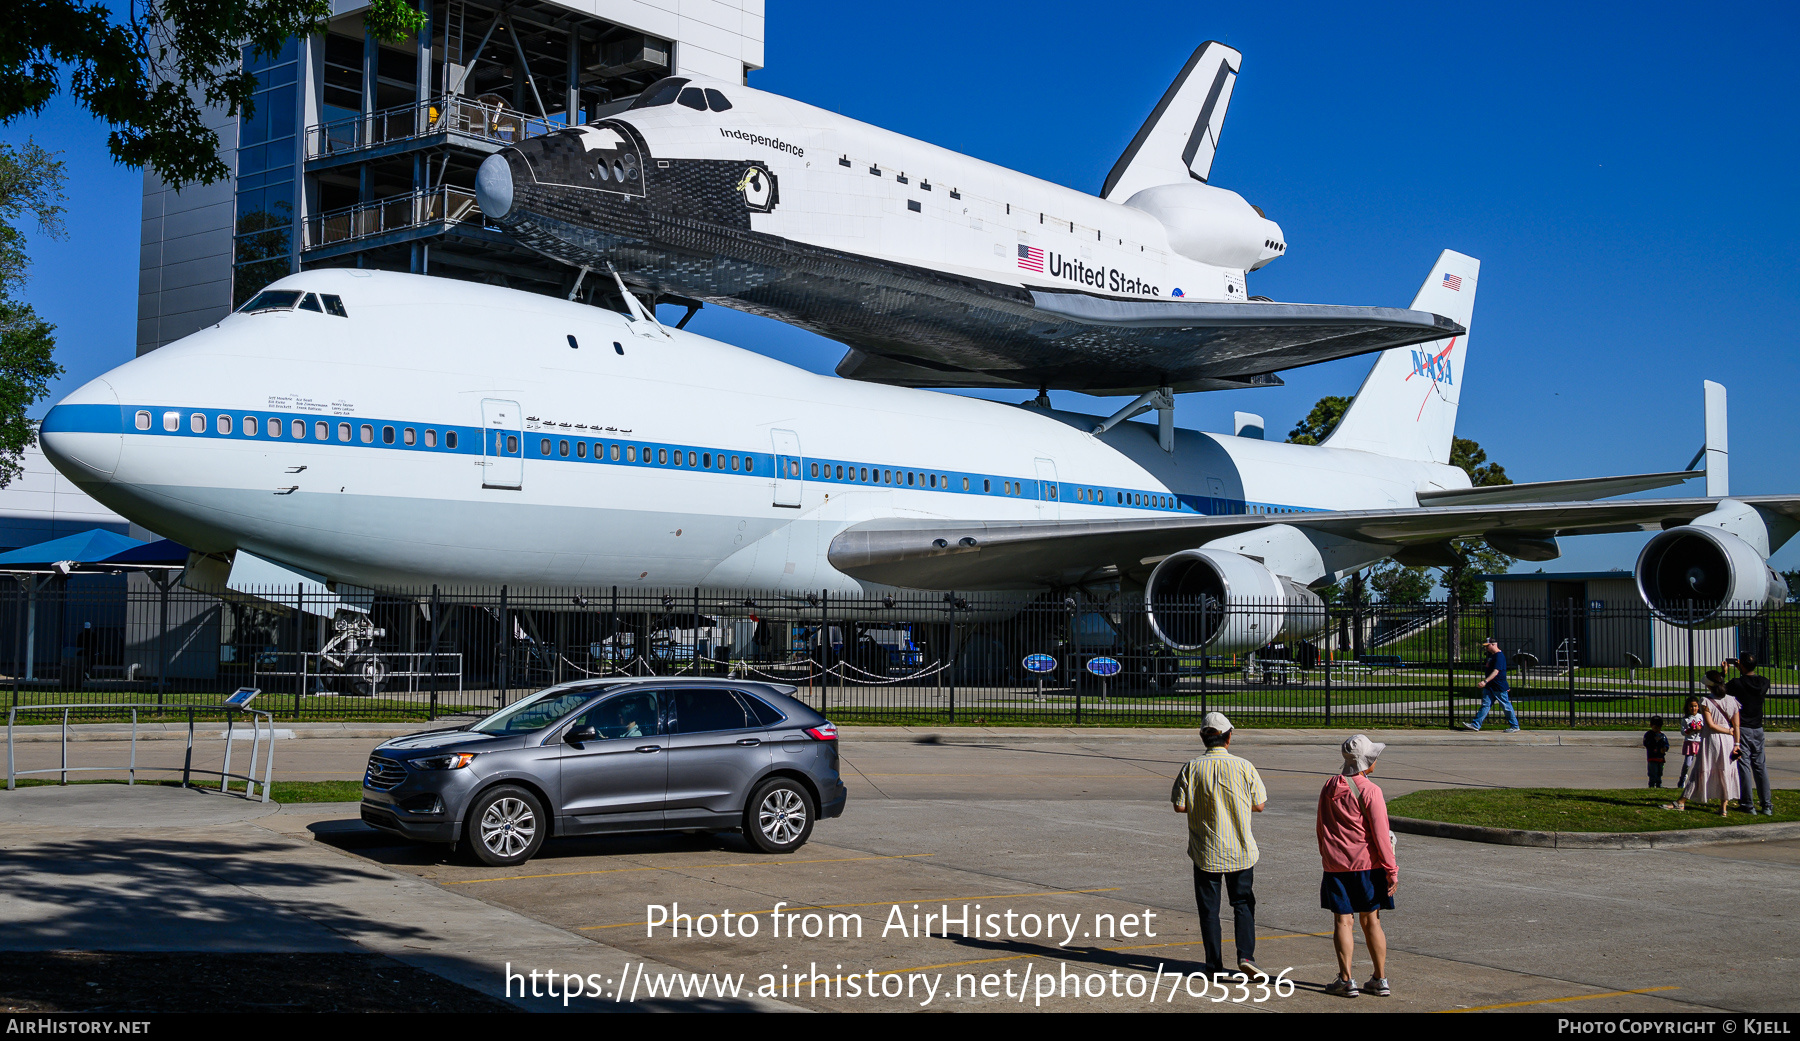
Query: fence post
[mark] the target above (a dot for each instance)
(1329, 633)
(18, 641)
(505, 647)
(950, 657)
(299, 643)
(824, 648)
(1690, 642)
(162, 640)
(1450, 650)
(431, 632)
(1574, 659)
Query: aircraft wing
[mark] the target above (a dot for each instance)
(1020, 554)
(1556, 491)
(1099, 345)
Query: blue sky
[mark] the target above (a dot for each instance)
(1625, 173)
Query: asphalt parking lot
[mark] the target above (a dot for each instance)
(1076, 827)
(1081, 829)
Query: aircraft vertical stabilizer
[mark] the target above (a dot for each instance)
(1177, 142)
(1406, 408)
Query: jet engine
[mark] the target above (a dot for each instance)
(1702, 577)
(1227, 603)
(1212, 225)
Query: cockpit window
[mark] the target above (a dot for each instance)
(272, 300)
(716, 100)
(334, 305)
(662, 92)
(694, 99)
(311, 303)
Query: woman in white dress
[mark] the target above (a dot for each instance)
(1715, 775)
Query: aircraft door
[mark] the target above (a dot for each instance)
(503, 444)
(1049, 491)
(788, 464)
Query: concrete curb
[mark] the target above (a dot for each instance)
(1247, 737)
(1596, 839)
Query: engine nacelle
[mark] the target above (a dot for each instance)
(1226, 603)
(1212, 225)
(1699, 576)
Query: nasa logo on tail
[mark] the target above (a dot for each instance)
(758, 186)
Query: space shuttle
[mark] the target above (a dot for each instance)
(936, 269)
(354, 431)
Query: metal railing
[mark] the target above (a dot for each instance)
(905, 658)
(261, 722)
(447, 204)
(449, 114)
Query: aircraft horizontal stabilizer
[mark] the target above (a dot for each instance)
(1556, 491)
(1013, 554)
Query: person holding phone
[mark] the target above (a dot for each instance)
(1750, 690)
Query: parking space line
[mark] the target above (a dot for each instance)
(1552, 1001)
(877, 903)
(681, 867)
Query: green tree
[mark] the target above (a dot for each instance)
(30, 189)
(1320, 422)
(148, 74)
(1398, 584)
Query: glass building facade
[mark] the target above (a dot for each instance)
(268, 185)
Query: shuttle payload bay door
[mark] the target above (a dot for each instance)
(502, 444)
(787, 468)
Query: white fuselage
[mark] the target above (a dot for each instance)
(851, 186)
(662, 451)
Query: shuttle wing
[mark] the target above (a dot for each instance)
(1020, 554)
(1100, 345)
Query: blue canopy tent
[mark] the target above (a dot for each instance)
(95, 551)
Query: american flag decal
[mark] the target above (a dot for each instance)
(1453, 282)
(1031, 258)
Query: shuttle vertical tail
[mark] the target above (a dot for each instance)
(1178, 140)
(1406, 407)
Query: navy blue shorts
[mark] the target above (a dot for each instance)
(1350, 892)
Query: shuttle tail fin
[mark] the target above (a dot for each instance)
(1406, 407)
(1178, 140)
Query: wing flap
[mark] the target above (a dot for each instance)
(973, 556)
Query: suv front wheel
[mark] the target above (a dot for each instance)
(506, 826)
(779, 817)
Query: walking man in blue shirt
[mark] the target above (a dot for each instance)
(1494, 687)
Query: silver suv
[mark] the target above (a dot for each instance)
(591, 757)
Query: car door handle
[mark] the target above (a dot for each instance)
(649, 748)
(750, 741)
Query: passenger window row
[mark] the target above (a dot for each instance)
(299, 429)
(602, 451)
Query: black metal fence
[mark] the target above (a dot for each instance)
(907, 659)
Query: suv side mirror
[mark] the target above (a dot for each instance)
(577, 735)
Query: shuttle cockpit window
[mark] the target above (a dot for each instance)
(662, 92)
(716, 101)
(693, 98)
(272, 300)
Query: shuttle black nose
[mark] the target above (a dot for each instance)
(494, 186)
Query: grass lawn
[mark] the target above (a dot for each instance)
(280, 791)
(1576, 809)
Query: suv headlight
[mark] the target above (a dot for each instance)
(452, 761)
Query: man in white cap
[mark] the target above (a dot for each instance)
(1358, 854)
(1218, 792)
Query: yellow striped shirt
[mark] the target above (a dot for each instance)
(1216, 791)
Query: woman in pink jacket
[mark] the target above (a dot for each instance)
(1360, 874)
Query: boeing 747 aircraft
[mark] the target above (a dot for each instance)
(936, 269)
(390, 431)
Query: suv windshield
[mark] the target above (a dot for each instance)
(535, 712)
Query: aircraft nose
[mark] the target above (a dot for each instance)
(83, 435)
(494, 186)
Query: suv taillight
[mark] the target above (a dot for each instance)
(823, 732)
